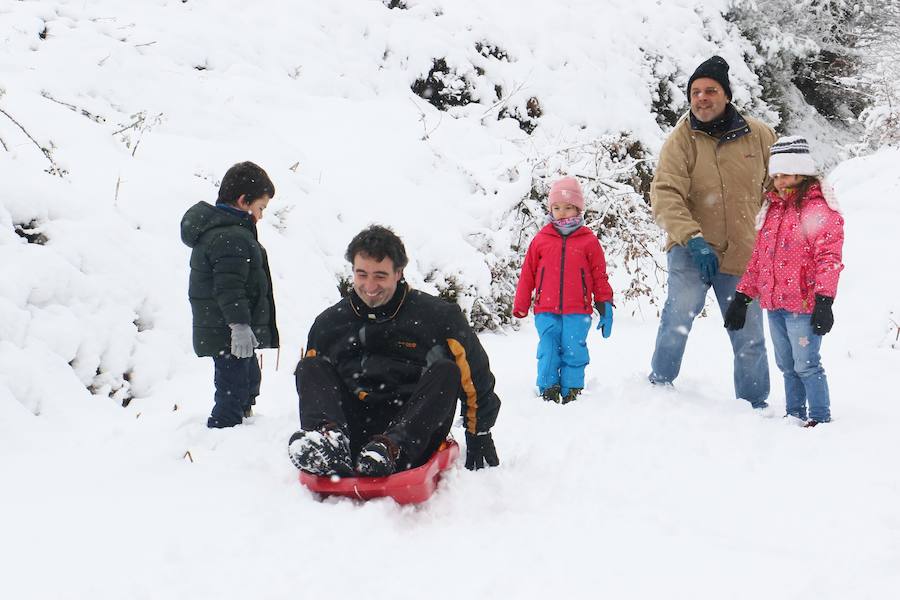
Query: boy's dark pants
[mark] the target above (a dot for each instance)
(417, 424)
(237, 386)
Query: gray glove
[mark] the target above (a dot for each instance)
(242, 340)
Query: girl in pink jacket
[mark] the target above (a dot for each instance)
(794, 272)
(566, 269)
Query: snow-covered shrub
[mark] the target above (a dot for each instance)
(31, 231)
(814, 46)
(476, 80)
(528, 121)
(444, 87)
(490, 50)
(669, 102)
(882, 119)
(344, 283)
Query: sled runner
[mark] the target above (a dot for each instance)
(406, 487)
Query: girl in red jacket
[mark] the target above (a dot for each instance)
(794, 272)
(566, 269)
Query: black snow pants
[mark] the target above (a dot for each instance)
(417, 424)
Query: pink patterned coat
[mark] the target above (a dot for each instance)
(797, 253)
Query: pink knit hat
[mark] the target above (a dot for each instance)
(566, 190)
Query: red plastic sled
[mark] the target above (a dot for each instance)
(406, 487)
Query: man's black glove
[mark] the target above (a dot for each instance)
(822, 318)
(479, 450)
(737, 311)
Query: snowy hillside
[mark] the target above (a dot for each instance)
(116, 117)
(141, 111)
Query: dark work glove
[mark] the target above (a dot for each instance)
(822, 318)
(479, 450)
(737, 311)
(605, 309)
(704, 257)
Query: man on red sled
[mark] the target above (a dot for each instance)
(383, 370)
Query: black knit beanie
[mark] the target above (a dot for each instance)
(715, 68)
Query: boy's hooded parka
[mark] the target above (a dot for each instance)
(229, 281)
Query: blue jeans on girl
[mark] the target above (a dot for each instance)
(562, 350)
(686, 297)
(797, 356)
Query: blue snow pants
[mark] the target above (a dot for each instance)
(562, 350)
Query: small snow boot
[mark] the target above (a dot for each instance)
(811, 423)
(248, 412)
(378, 458)
(325, 451)
(571, 395)
(551, 394)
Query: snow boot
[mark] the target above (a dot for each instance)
(325, 451)
(811, 423)
(551, 394)
(212, 423)
(571, 395)
(378, 458)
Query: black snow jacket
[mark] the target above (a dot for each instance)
(381, 353)
(230, 280)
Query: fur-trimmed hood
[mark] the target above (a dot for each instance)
(825, 188)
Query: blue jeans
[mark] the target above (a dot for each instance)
(237, 386)
(797, 356)
(686, 297)
(562, 350)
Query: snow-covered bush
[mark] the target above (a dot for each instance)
(814, 46)
(669, 102)
(444, 87)
(471, 81)
(882, 119)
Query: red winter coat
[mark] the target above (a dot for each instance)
(797, 254)
(563, 273)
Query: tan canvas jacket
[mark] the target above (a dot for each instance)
(712, 188)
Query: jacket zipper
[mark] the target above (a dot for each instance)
(537, 295)
(584, 290)
(804, 289)
(562, 272)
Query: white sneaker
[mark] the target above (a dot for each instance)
(766, 412)
(793, 421)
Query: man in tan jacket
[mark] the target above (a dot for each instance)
(706, 193)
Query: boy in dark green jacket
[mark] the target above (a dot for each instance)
(230, 289)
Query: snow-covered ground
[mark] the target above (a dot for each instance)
(629, 493)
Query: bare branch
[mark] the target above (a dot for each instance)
(54, 169)
(72, 107)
